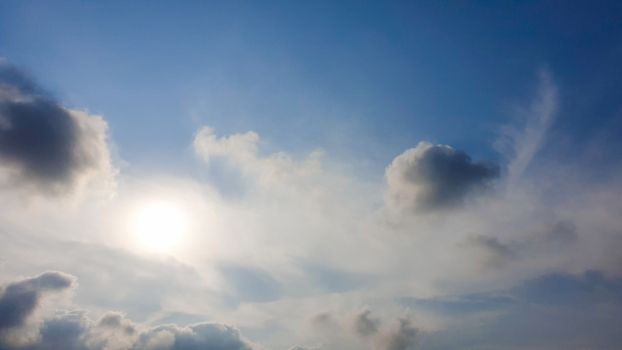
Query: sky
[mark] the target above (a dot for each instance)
(310, 175)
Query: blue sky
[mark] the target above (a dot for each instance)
(310, 175)
(346, 76)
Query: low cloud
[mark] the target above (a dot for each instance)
(74, 330)
(431, 177)
(43, 144)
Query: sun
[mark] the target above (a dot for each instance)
(158, 226)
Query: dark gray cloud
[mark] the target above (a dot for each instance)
(435, 177)
(19, 300)
(62, 332)
(364, 324)
(41, 142)
(75, 331)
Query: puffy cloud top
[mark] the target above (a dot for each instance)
(435, 177)
(239, 147)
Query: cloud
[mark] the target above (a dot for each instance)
(238, 147)
(523, 144)
(403, 337)
(44, 144)
(208, 336)
(495, 252)
(324, 319)
(432, 177)
(364, 325)
(19, 300)
(142, 284)
(74, 330)
(240, 153)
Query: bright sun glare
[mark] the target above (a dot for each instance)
(159, 226)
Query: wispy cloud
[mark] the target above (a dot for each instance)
(537, 119)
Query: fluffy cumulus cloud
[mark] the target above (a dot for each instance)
(432, 177)
(42, 143)
(239, 147)
(240, 154)
(75, 330)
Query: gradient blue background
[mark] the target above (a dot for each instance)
(356, 78)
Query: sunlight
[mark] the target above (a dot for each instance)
(159, 226)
